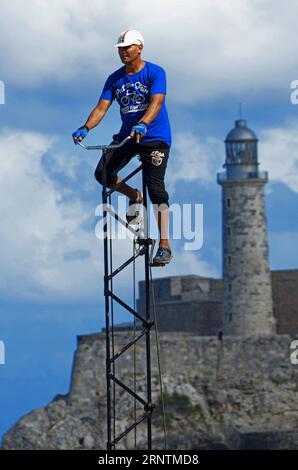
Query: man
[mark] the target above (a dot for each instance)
(140, 88)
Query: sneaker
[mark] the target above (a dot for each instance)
(163, 256)
(134, 211)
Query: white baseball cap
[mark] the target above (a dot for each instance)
(129, 37)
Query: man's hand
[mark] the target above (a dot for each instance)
(80, 134)
(139, 130)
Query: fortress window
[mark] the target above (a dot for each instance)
(229, 230)
(230, 317)
(229, 260)
(228, 202)
(230, 287)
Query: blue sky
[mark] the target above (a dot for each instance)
(53, 64)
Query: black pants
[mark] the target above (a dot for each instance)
(154, 160)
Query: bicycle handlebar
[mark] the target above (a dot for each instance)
(104, 147)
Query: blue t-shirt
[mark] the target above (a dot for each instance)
(133, 95)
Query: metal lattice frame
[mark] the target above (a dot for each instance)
(147, 324)
(145, 243)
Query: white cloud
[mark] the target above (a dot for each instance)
(45, 253)
(209, 48)
(197, 159)
(183, 263)
(38, 228)
(278, 154)
(194, 159)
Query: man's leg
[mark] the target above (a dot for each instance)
(155, 157)
(127, 190)
(116, 159)
(162, 216)
(164, 254)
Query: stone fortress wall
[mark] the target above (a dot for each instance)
(195, 303)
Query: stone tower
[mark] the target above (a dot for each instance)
(248, 308)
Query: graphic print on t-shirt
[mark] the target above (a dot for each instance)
(132, 96)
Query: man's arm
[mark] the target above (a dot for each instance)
(97, 114)
(152, 111)
(153, 108)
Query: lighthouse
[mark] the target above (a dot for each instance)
(248, 307)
